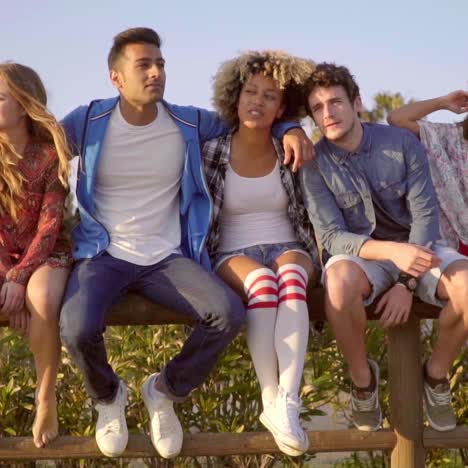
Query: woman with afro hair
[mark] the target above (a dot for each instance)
(261, 242)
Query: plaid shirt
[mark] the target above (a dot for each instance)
(215, 154)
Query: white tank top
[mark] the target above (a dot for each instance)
(254, 211)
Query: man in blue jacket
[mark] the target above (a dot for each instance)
(145, 213)
(370, 197)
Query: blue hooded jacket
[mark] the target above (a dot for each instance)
(86, 127)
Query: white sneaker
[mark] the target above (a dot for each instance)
(111, 426)
(282, 420)
(165, 428)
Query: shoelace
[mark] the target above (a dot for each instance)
(364, 405)
(290, 407)
(111, 423)
(441, 395)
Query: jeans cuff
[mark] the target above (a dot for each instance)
(165, 387)
(108, 399)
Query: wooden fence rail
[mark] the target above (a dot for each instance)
(408, 440)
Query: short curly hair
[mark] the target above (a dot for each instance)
(327, 75)
(289, 72)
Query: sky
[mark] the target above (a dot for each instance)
(415, 47)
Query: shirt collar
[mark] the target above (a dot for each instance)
(340, 155)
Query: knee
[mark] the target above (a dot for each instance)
(456, 290)
(459, 287)
(227, 314)
(80, 341)
(234, 316)
(76, 333)
(44, 303)
(343, 283)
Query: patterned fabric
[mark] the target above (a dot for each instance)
(447, 152)
(215, 154)
(37, 237)
(292, 283)
(261, 288)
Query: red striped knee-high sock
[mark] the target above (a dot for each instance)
(261, 288)
(292, 326)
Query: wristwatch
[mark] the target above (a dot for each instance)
(408, 281)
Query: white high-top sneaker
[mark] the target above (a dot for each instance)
(111, 426)
(282, 420)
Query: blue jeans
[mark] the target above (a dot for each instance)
(177, 283)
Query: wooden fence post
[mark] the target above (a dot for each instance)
(405, 387)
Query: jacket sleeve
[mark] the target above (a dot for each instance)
(48, 229)
(211, 125)
(421, 197)
(281, 128)
(325, 215)
(74, 125)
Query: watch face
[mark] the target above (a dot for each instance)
(412, 284)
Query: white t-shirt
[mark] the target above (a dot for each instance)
(254, 211)
(137, 187)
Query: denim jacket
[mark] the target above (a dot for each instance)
(341, 196)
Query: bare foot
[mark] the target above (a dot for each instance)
(45, 426)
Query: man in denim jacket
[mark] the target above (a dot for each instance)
(370, 197)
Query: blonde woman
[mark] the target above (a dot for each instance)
(34, 254)
(262, 243)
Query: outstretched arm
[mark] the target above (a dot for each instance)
(297, 146)
(407, 116)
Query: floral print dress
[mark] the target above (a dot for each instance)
(447, 152)
(37, 237)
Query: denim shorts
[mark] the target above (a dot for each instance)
(265, 254)
(383, 274)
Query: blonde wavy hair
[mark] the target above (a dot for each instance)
(27, 89)
(289, 73)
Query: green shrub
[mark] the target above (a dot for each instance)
(228, 401)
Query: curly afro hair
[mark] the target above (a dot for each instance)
(289, 72)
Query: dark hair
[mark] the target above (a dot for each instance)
(465, 128)
(327, 75)
(131, 36)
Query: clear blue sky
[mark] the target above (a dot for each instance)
(416, 47)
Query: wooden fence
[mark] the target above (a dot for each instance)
(407, 440)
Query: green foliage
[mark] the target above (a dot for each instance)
(228, 401)
(384, 103)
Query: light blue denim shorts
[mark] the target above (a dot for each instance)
(383, 274)
(265, 254)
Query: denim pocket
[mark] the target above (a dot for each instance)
(347, 200)
(392, 190)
